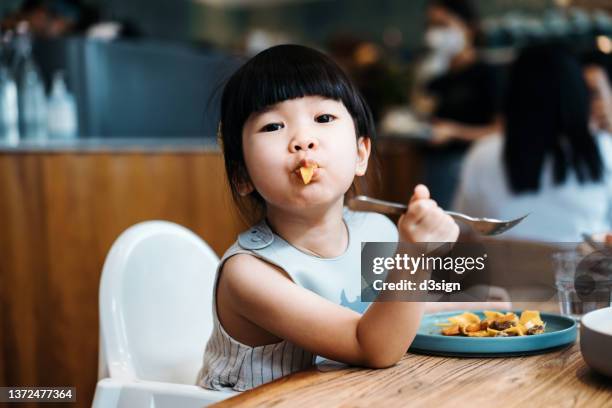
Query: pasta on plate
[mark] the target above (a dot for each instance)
(495, 324)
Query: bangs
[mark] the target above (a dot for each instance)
(279, 78)
(288, 72)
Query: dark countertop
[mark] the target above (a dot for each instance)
(100, 145)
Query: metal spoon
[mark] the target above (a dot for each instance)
(485, 226)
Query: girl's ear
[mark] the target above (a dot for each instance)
(243, 186)
(363, 154)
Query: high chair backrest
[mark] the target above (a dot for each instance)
(155, 303)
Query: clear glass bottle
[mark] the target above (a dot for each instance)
(9, 117)
(30, 88)
(61, 110)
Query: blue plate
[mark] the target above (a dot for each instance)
(560, 331)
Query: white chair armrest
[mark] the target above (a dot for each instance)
(151, 394)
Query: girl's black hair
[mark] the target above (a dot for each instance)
(275, 75)
(547, 115)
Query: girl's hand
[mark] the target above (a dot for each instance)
(424, 221)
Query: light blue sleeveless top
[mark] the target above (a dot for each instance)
(229, 363)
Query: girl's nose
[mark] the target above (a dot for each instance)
(303, 143)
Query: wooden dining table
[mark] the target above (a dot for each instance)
(558, 378)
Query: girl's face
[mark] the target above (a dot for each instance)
(301, 132)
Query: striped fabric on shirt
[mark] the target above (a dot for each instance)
(231, 364)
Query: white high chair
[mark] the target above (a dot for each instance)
(155, 319)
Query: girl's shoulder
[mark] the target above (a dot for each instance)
(234, 249)
(237, 259)
(244, 252)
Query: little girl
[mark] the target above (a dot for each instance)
(296, 133)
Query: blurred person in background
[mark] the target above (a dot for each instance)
(597, 68)
(370, 69)
(458, 91)
(548, 163)
(597, 75)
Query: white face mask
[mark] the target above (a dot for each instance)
(448, 41)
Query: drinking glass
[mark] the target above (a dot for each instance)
(584, 283)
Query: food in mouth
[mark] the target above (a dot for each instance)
(306, 172)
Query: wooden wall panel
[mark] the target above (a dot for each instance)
(59, 215)
(401, 168)
(23, 267)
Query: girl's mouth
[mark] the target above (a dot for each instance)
(307, 170)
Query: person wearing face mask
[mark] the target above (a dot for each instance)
(457, 91)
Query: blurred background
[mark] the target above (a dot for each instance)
(109, 111)
(99, 50)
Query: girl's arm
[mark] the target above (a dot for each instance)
(266, 297)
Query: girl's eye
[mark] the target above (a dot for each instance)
(271, 127)
(325, 118)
